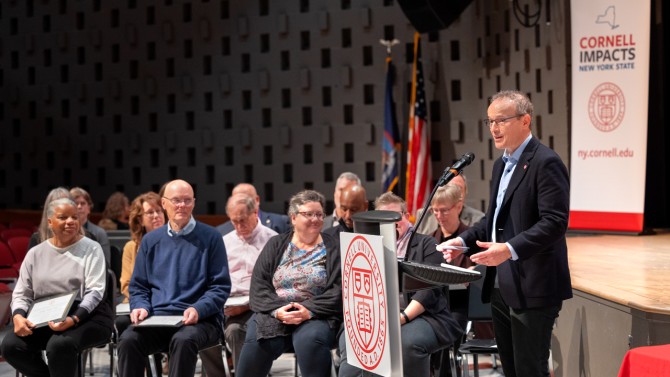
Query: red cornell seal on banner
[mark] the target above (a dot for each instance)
(607, 107)
(365, 305)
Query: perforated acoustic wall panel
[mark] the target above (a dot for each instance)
(126, 95)
(493, 47)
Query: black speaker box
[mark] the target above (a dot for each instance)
(432, 15)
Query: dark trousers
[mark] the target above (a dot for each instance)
(182, 343)
(62, 348)
(311, 341)
(235, 331)
(122, 322)
(523, 337)
(418, 342)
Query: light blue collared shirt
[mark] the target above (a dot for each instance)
(510, 165)
(187, 229)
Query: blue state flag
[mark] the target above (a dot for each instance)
(391, 143)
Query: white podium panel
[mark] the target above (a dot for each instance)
(370, 304)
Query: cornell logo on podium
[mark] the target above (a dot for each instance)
(364, 303)
(607, 107)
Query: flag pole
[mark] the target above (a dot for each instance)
(418, 171)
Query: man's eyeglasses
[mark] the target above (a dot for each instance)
(500, 121)
(312, 215)
(176, 201)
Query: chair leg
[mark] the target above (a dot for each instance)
(226, 367)
(475, 361)
(81, 364)
(110, 349)
(465, 368)
(453, 362)
(296, 370)
(152, 366)
(90, 363)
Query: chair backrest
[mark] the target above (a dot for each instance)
(25, 224)
(19, 247)
(477, 309)
(6, 255)
(111, 290)
(116, 262)
(8, 233)
(118, 238)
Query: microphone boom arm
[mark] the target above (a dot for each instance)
(447, 175)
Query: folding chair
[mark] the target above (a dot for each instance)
(477, 311)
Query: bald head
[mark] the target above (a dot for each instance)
(178, 201)
(353, 200)
(247, 189)
(460, 181)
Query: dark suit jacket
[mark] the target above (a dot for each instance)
(533, 218)
(275, 221)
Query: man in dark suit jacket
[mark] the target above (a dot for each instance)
(522, 238)
(353, 200)
(275, 221)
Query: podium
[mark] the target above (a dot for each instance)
(372, 278)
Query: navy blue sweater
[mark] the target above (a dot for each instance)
(174, 273)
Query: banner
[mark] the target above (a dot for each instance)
(610, 86)
(391, 142)
(419, 169)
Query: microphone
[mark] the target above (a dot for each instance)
(448, 174)
(456, 169)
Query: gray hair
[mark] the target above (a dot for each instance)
(447, 194)
(522, 102)
(248, 202)
(304, 197)
(51, 209)
(57, 193)
(349, 176)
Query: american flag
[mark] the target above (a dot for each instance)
(418, 146)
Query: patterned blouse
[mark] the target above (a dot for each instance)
(301, 274)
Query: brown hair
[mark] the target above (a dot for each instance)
(78, 191)
(115, 206)
(137, 230)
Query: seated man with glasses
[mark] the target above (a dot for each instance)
(275, 221)
(426, 325)
(243, 246)
(180, 269)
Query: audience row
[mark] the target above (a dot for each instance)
(264, 283)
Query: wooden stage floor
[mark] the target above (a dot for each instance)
(630, 270)
(621, 301)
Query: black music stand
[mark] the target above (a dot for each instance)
(412, 276)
